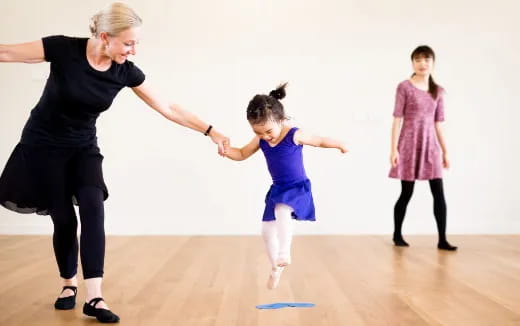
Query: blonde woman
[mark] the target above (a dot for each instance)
(58, 162)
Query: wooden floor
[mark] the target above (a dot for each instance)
(353, 280)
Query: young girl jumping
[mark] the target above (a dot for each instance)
(290, 195)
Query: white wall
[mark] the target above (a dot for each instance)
(343, 60)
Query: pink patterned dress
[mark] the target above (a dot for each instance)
(420, 156)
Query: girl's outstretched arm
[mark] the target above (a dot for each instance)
(240, 154)
(303, 138)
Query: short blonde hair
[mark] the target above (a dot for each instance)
(114, 19)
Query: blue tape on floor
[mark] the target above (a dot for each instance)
(279, 305)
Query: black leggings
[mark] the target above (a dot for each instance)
(92, 241)
(439, 207)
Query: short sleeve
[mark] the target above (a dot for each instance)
(134, 76)
(400, 101)
(54, 47)
(439, 110)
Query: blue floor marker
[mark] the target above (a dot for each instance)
(279, 305)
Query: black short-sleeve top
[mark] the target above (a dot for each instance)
(75, 94)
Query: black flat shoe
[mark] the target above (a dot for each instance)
(102, 315)
(446, 246)
(399, 242)
(69, 302)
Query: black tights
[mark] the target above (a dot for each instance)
(92, 241)
(439, 207)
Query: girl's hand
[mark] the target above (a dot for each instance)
(394, 158)
(343, 148)
(445, 161)
(222, 142)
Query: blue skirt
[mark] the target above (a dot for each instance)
(297, 195)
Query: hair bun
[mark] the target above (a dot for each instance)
(279, 92)
(93, 24)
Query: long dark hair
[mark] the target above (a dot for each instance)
(427, 52)
(267, 107)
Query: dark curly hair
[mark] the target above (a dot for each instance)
(267, 107)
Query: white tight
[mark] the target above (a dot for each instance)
(277, 235)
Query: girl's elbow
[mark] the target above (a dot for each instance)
(235, 158)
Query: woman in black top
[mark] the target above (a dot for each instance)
(57, 161)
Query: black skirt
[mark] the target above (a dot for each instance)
(36, 176)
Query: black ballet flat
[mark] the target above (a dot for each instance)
(69, 302)
(446, 246)
(399, 242)
(102, 315)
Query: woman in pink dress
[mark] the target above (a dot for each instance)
(418, 146)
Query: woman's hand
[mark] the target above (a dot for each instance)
(221, 140)
(394, 158)
(445, 161)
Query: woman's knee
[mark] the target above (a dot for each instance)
(91, 199)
